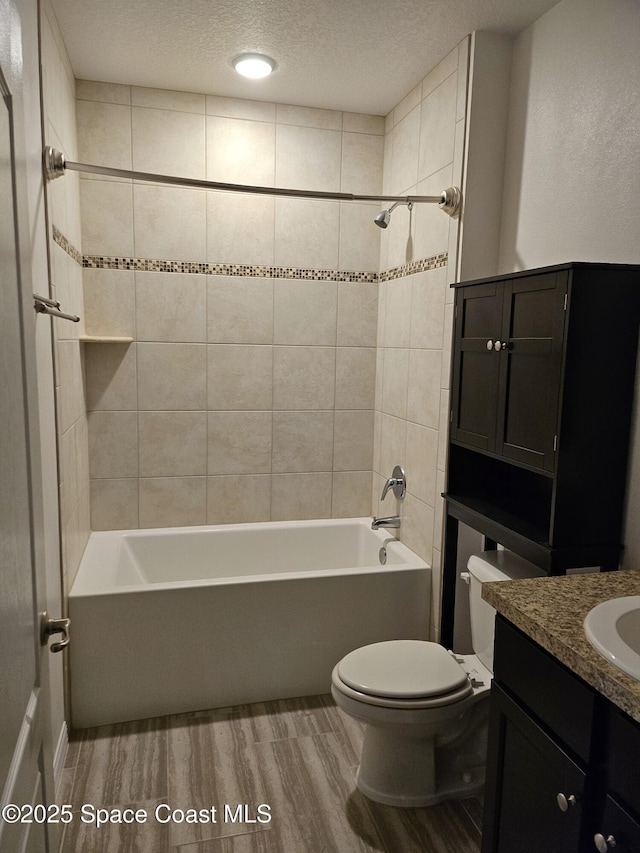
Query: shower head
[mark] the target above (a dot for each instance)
(382, 219)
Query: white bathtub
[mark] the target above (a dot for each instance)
(174, 620)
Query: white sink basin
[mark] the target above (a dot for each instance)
(613, 629)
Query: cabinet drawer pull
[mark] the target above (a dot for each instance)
(489, 345)
(565, 802)
(604, 844)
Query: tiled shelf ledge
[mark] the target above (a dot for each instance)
(104, 339)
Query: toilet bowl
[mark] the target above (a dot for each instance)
(425, 709)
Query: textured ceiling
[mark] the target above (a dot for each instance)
(355, 55)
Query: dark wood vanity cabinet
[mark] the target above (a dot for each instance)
(542, 383)
(563, 774)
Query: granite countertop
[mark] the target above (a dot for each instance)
(551, 611)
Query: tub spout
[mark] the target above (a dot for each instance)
(391, 521)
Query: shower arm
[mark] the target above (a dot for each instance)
(56, 164)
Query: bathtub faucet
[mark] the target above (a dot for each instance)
(390, 521)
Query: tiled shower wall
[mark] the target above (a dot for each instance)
(59, 104)
(248, 391)
(424, 142)
(260, 351)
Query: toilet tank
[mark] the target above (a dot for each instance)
(489, 566)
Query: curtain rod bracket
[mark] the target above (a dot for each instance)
(54, 163)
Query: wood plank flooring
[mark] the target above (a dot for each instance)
(281, 776)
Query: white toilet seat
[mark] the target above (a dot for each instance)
(409, 674)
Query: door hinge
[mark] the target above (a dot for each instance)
(566, 296)
(555, 443)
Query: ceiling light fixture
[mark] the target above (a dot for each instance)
(254, 65)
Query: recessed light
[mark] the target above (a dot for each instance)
(254, 65)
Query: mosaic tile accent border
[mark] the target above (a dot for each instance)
(246, 270)
(66, 245)
(252, 270)
(433, 263)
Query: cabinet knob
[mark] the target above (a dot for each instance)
(565, 802)
(489, 345)
(604, 844)
(501, 345)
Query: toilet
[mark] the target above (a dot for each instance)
(425, 709)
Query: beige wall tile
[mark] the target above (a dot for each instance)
(114, 504)
(172, 444)
(359, 237)
(171, 307)
(303, 377)
(167, 99)
(307, 233)
(431, 224)
(422, 457)
(448, 66)
(393, 439)
(305, 312)
(104, 134)
(240, 108)
(423, 399)
(69, 390)
(113, 444)
(355, 377)
(168, 142)
(172, 376)
(239, 310)
(362, 163)
(363, 123)
(302, 441)
(406, 141)
(239, 377)
(308, 158)
(428, 294)
(351, 494)
(238, 498)
(112, 93)
(107, 218)
(109, 302)
(357, 314)
(240, 152)
(170, 223)
(110, 376)
(438, 128)
(397, 327)
(240, 228)
(417, 527)
(299, 496)
(395, 382)
(173, 501)
(308, 117)
(353, 441)
(239, 442)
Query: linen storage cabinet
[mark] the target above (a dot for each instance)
(542, 380)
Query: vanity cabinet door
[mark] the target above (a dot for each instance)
(534, 790)
(619, 831)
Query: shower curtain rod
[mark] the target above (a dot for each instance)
(56, 164)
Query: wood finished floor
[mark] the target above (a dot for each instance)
(298, 756)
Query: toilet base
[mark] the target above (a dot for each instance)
(412, 771)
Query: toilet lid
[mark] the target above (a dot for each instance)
(402, 669)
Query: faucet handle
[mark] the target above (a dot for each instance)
(397, 482)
